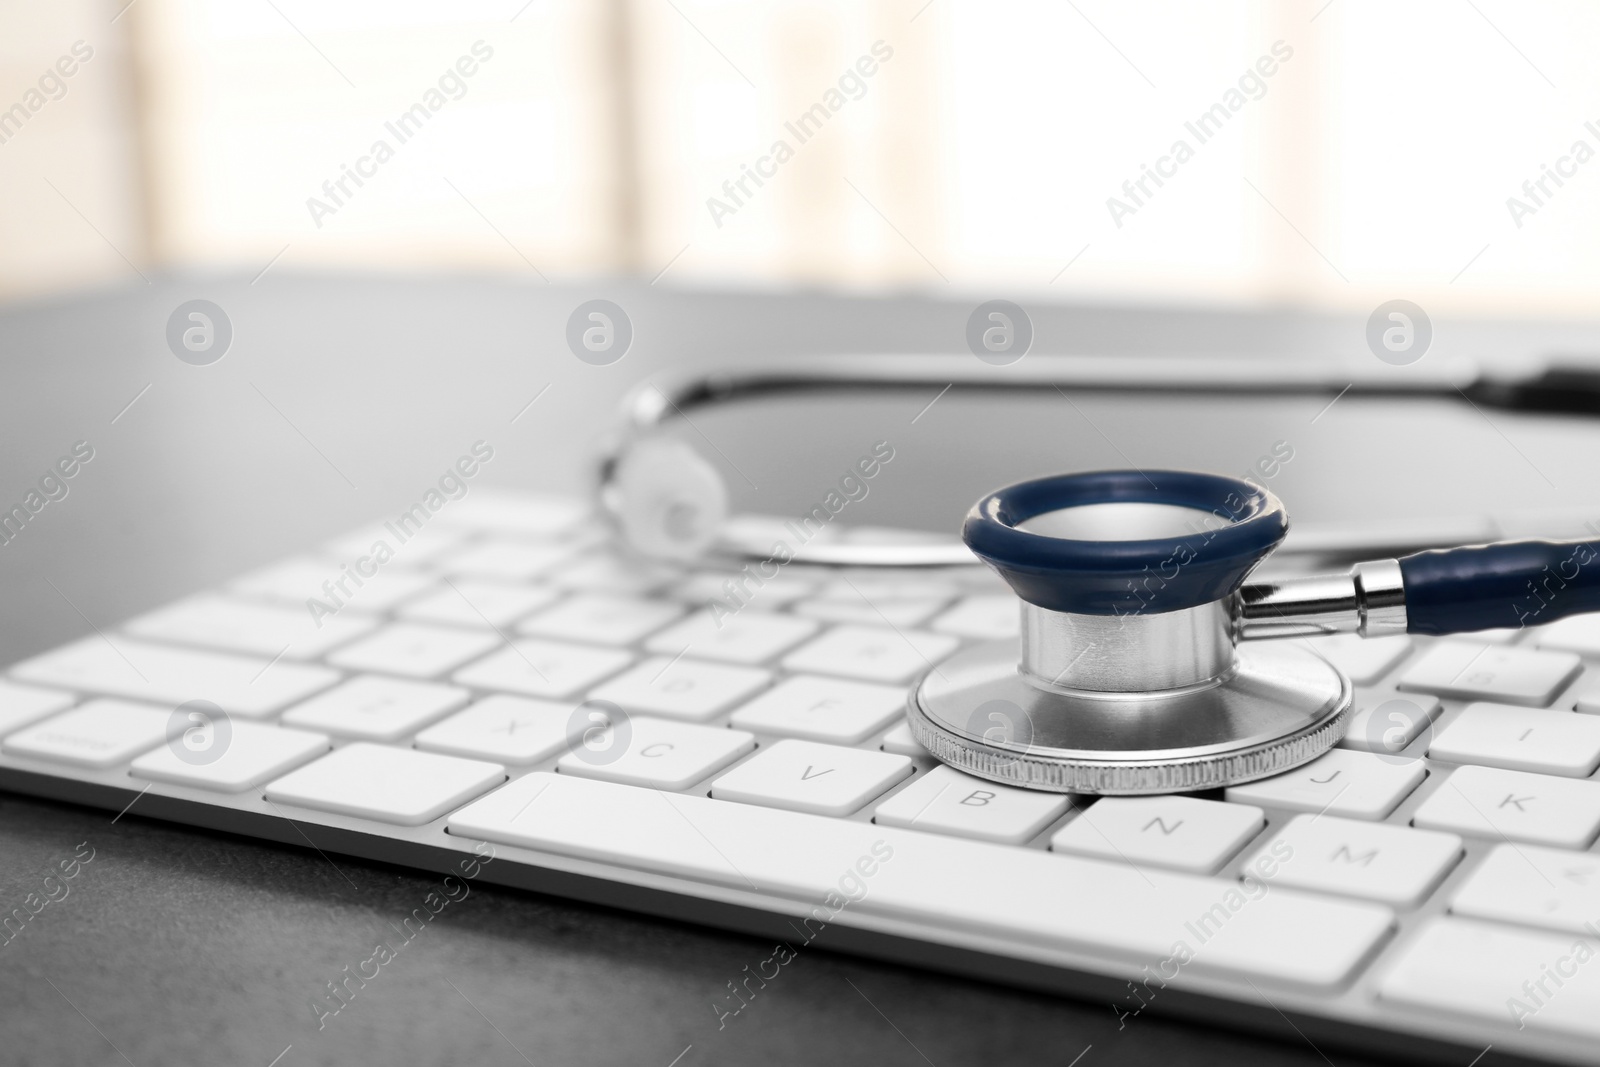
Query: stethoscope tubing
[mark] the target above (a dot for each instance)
(1447, 590)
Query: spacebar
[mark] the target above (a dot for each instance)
(1172, 922)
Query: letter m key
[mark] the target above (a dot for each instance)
(1350, 857)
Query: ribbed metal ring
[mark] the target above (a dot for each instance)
(1126, 779)
(1211, 765)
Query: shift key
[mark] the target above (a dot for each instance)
(248, 686)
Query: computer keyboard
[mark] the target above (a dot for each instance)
(504, 696)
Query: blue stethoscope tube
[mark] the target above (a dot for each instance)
(1511, 584)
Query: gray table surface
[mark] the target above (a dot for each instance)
(339, 401)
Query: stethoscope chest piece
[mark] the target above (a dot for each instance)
(1128, 677)
(1279, 707)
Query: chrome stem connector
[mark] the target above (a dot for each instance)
(1170, 650)
(1370, 601)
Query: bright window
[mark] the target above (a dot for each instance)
(1328, 154)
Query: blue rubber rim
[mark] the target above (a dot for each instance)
(1126, 577)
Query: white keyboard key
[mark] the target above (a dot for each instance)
(101, 733)
(243, 686)
(505, 559)
(1390, 864)
(823, 709)
(255, 754)
(1521, 739)
(482, 604)
(748, 637)
(872, 653)
(681, 688)
(1589, 701)
(539, 668)
(885, 611)
(297, 580)
(1481, 672)
(604, 572)
(1364, 659)
(733, 589)
(978, 581)
(395, 785)
(416, 650)
(873, 586)
(1359, 785)
(384, 591)
(603, 618)
(246, 626)
(987, 618)
(1183, 833)
(946, 801)
(505, 729)
(806, 776)
(1514, 806)
(1575, 633)
(901, 743)
(656, 753)
(376, 709)
(525, 514)
(1532, 886)
(957, 884)
(1472, 969)
(408, 548)
(23, 704)
(1386, 723)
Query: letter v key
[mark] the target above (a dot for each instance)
(807, 776)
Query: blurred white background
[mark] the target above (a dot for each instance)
(1358, 151)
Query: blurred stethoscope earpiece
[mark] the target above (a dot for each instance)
(669, 502)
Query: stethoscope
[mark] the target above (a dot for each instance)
(1139, 667)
